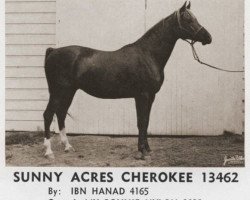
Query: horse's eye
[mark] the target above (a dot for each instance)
(187, 17)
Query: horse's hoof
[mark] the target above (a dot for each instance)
(49, 156)
(145, 157)
(145, 154)
(142, 155)
(148, 150)
(69, 149)
(138, 155)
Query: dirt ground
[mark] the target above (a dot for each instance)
(26, 149)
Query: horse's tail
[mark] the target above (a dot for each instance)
(48, 70)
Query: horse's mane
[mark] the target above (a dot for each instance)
(156, 30)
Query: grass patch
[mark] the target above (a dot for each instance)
(233, 138)
(23, 138)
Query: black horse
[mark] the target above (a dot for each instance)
(134, 71)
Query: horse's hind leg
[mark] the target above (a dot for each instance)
(61, 114)
(48, 117)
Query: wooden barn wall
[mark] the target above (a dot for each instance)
(30, 29)
(194, 100)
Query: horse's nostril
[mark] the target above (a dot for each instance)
(209, 39)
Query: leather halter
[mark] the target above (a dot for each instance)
(195, 55)
(184, 29)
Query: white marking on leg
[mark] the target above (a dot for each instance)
(64, 140)
(47, 144)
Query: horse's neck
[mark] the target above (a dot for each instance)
(159, 41)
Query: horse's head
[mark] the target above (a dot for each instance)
(189, 27)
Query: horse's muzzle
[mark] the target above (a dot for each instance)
(203, 36)
(207, 38)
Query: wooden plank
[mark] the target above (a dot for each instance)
(11, 7)
(26, 83)
(26, 95)
(30, 28)
(25, 105)
(30, 18)
(24, 60)
(24, 125)
(24, 115)
(26, 50)
(30, 39)
(24, 72)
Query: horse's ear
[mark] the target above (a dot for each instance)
(183, 8)
(189, 5)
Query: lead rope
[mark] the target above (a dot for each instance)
(196, 57)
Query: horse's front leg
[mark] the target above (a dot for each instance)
(143, 107)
